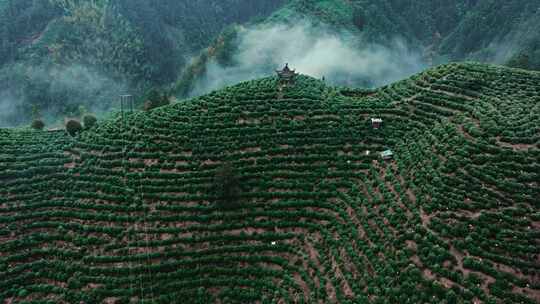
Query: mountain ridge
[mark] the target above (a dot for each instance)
(436, 31)
(67, 57)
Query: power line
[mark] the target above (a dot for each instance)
(127, 105)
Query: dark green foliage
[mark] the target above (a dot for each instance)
(468, 29)
(111, 46)
(89, 121)
(154, 99)
(226, 186)
(359, 19)
(439, 31)
(491, 30)
(147, 208)
(136, 44)
(21, 23)
(38, 124)
(528, 59)
(225, 46)
(22, 293)
(222, 50)
(172, 29)
(73, 127)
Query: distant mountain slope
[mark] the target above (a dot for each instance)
(496, 31)
(260, 193)
(434, 31)
(379, 20)
(169, 31)
(60, 54)
(461, 29)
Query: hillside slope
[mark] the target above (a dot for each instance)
(145, 41)
(59, 55)
(130, 211)
(490, 31)
(427, 31)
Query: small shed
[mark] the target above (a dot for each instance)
(387, 154)
(376, 123)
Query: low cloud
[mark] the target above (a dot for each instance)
(341, 58)
(10, 107)
(56, 91)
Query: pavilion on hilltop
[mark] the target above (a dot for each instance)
(286, 76)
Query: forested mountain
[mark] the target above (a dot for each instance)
(424, 32)
(59, 55)
(459, 29)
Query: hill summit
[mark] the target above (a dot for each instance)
(253, 194)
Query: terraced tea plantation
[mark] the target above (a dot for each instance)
(254, 194)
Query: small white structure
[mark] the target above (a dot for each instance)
(387, 154)
(376, 123)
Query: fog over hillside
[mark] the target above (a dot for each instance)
(339, 57)
(72, 90)
(108, 47)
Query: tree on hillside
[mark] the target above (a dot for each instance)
(73, 127)
(226, 186)
(520, 60)
(37, 122)
(359, 18)
(89, 121)
(154, 99)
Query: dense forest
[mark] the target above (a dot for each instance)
(458, 29)
(66, 57)
(435, 31)
(61, 54)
